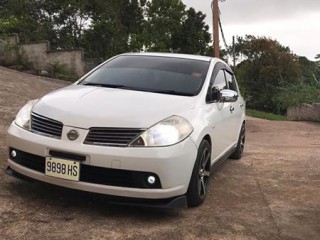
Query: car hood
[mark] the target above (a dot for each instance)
(89, 106)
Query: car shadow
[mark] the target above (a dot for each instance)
(50, 198)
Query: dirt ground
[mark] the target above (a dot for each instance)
(272, 193)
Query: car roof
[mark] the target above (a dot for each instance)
(173, 55)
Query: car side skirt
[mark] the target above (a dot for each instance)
(222, 159)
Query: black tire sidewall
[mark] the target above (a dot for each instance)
(193, 197)
(237, 154)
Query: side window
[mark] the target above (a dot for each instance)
(220, 81)
(231, 81)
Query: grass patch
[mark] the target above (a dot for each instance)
(265, 115)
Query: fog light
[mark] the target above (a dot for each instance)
(151, 180)
(13, 153)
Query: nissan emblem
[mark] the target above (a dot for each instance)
(73, 135)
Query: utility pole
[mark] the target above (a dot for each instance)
(215, 13)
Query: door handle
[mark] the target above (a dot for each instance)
(231, 109)
(241, 105)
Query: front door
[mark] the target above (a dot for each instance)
(222, 126)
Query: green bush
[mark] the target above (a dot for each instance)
(296, 94)
(62, 71)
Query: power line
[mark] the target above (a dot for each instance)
(222, 33)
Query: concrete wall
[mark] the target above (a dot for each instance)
(8, 49)
(42, 58)
(304, 112)
(2, 50)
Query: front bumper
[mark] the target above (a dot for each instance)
(175, 202)
(173, 165)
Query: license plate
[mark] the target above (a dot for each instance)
(60, 168)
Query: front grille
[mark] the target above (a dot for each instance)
(92, 174)
(112, 136)
(46, 126)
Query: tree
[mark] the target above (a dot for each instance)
(164, 19)
(193, 37)
(310, 71)
(7, 24)
(266, 69)
(105, 28)
(272, 78)
(22, 16)
(59, 21)
(67, 19)
(116, 27)
(133, 19)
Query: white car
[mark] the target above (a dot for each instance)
(146, 128)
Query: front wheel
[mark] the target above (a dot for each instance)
(198, 186)
(238, 152)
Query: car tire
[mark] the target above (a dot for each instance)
(198, 186)
(238, 152)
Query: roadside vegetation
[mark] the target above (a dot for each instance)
(271, 77)
(265, 115)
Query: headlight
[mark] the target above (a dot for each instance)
(168, 132)
(23, 116)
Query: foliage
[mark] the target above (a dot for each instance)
(310, 71)
(295, 94)
(193, 36)
(269, 71)
(23, 16)
(105, 28)
(265, 115)
(7, 23)
(163, 21)
(62, 71)
(116, 27)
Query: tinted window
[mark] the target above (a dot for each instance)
(220, 81)
(154, 74)
(231, 82)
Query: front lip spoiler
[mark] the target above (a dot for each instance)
(9, 171)
(175, 202)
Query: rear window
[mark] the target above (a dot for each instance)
(166, 75)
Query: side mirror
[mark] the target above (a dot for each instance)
(228, 95)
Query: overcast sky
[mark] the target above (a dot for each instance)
(294, 23)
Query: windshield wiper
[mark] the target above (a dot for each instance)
(173, 92)
(104, 85)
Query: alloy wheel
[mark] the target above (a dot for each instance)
(204, 173)
(242, 139)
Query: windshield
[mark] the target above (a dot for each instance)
(166, 75)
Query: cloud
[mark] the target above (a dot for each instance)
(247, 11)
(301, 38)
(294, 23)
